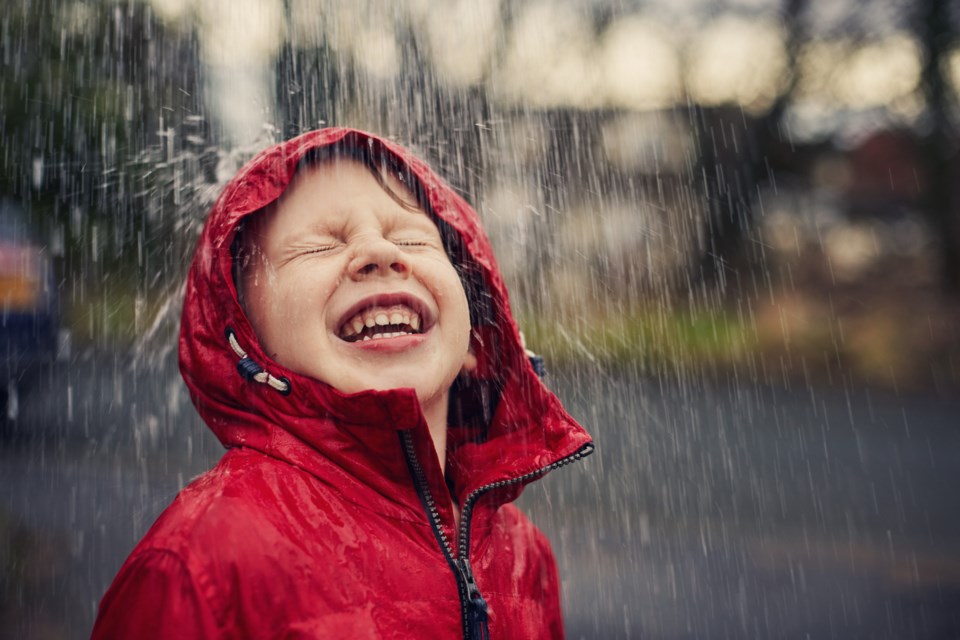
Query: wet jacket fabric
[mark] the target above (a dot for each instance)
(329, 515)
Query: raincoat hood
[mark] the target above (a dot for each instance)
(522, 430)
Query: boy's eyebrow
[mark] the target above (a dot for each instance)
(325, 225)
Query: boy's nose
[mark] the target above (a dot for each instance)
(378, 256)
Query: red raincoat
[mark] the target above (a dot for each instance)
(329, 515)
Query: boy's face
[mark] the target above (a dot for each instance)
(348, 286)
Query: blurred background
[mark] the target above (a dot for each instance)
(732, 227)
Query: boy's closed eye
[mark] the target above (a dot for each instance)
(328, 247)
(320, 249)
(413, 242)
(309, 249)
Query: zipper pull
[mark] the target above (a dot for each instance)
(478, 609)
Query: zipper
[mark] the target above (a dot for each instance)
(473, 607)
(466, 511)
(460, 572)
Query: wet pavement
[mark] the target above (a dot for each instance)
(728, 511)
(710, 510)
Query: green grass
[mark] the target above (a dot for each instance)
(114, 317)
(678, 338)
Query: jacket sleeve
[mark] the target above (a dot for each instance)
(154, 596)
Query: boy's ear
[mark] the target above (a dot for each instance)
(469, 362)
(470, 359)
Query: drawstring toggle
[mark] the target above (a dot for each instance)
(251, 371)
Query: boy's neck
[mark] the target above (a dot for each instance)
(436, 417)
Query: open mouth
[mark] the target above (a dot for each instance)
(377, 322)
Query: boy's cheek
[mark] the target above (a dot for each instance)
(276, 293)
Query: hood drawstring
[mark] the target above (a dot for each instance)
(536, 361)
(252, 371)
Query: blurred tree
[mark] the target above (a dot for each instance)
(937, 29)
(313, 83)
(727, 160)
(85, 89)
(318, 85)
(734, 161)
(730, 180)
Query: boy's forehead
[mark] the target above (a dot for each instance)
(338, 181)
(349, 178)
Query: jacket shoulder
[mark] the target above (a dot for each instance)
(516, 540)
(155, 596)
(513, 522)
(230, 531)
(230, 508)
(519, 577)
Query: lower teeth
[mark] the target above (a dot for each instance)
(380, 336)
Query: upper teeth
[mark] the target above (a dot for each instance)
(370, 321)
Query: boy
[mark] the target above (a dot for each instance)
(348, 338)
